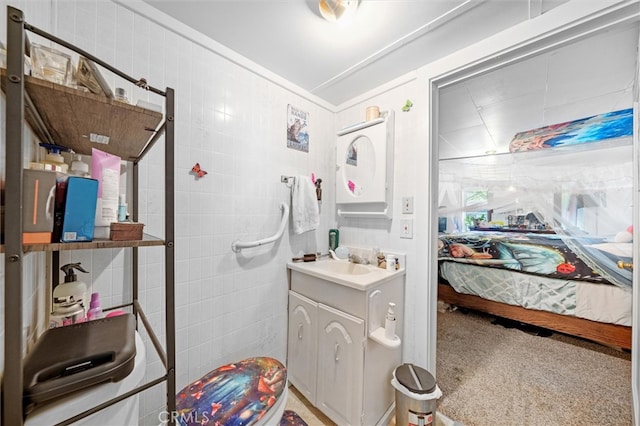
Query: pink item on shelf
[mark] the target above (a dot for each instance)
(95, 311)
(105, 168)
(115, 314)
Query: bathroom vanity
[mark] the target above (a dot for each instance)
(338, 355)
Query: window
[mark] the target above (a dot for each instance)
(474, 213)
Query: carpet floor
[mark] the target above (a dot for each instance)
(495, 375)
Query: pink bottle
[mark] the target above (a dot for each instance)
(95, 311)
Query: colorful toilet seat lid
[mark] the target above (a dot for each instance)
(237, 394)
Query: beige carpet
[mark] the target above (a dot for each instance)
(492, 375)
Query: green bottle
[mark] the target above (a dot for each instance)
(334, 239)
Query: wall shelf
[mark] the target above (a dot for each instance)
(72, 115)
(146, 241)
(69, 117)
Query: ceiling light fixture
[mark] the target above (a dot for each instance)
(334, 10)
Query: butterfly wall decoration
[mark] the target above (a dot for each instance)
(196, 170)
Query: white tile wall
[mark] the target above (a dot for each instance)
(231, 121)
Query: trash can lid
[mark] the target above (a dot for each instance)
(415, 379)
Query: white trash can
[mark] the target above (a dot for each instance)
(416, 396)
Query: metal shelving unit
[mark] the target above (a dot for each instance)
(134, 131)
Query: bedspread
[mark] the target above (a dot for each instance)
(539, 254)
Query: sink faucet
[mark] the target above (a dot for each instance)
(354, 258)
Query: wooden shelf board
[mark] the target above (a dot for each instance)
(72, 115)
(146, 241)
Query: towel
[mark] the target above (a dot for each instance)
(304, 205)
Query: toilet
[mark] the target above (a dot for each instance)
(249, 392)
(123, 413)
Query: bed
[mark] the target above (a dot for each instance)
(568, 270)
(536, 279)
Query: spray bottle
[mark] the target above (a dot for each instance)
(72, 292)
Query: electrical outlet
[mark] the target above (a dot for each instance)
(407, 205)
(406, 228)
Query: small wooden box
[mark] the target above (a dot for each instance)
(124, 231)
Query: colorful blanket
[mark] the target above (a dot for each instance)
(539, 254)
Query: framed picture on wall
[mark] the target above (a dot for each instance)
(297, 129)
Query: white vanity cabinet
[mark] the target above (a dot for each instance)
(302, 344)
(340, 365)
(331, 359)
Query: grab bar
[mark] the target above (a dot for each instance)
(236, 246)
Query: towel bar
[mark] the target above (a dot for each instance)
(384, 214)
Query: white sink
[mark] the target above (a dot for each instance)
(337, 267)
(357, 276)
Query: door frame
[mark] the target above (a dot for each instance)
(572, 22)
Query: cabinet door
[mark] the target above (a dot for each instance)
(303, 345)
(340, 365)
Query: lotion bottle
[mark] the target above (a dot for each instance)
(79, 167)
(390, 323)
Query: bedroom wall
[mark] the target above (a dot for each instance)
(232, 120)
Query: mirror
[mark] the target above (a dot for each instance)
(360, 166)
(364, 167)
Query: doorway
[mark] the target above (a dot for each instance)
(484, 87)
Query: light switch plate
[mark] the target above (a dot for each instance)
(406, 228)
(407, 205)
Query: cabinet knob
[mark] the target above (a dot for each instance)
(300, 331)
(336, 351)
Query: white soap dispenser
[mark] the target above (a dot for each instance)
(390, 323)
(71, 291)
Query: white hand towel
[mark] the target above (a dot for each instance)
(304, 205)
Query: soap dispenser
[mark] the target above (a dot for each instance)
(71, 291)
(390, 323)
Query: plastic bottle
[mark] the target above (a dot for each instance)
(390, 322)
(79, 167)
(54, 158)
(334, 239)
(71, 291)
(95, 311)
(121, 95)
(122, 208)
(391, 263)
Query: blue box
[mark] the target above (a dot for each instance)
(79, 209)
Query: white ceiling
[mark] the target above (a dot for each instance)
(389, 38)
(588, 77)
(385, 40)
